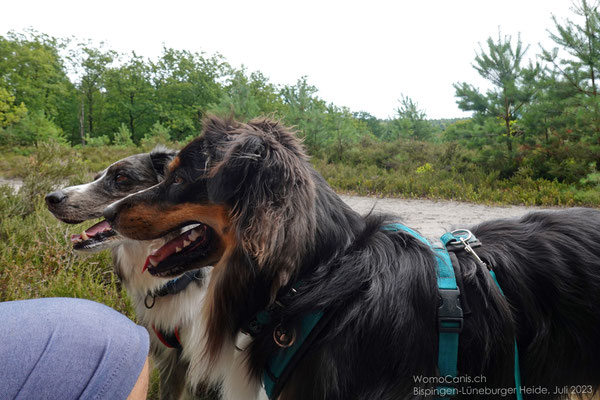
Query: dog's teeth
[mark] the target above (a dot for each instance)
(186, 243)
(193, 235)
(84, 236)
(177, 249)
(153, 262)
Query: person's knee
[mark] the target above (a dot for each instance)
(75, 348)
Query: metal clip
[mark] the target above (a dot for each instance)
(470, 250)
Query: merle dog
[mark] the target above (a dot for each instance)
(168, 313)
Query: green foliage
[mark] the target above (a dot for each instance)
(10, 113)
(45, 170)
(375, 126)
(129, 97)
(122, 137)
(513, 84)
(440, 171)
(534, 123)
(578, 70)
(34, 127)
(36, 258)
(246, 97)
(97, 141)
(412, 121)
(185, 85)
(344, 131)
(93, 64)
(304, 110)
(33, 72)
(158, 134)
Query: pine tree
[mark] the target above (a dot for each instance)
(581, 67)
(513, 84)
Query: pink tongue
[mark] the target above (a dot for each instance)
(168, 248)
(91, 231)
(99, 227)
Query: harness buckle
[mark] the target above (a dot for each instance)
(450, 314)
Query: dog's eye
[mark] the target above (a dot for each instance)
(178, 180)
(119, 178)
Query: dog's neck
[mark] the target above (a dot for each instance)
(127, 261)
(240, 287)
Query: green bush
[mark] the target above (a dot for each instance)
(34, 127)
(123, 137)
(97, 141)
(159, 134)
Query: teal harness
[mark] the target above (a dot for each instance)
(292, 343)
(450, 321)
(450, 316)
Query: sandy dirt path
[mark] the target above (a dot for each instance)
(433, 218)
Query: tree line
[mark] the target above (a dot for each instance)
(541, 118)
(90, 95)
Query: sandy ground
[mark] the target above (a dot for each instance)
(433, 218)
(430, 218)
(16, 183)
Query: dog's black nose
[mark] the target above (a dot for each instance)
(110, 213)
(55, 198)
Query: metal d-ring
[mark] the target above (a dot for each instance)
(459, 234)
(146, 300)
(283, 337)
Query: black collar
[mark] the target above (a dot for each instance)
(174, 286)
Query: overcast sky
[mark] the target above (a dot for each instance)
(359, 54)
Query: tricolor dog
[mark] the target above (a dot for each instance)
(359, 299)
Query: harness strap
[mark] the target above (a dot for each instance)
(450, 321)
(454, 242)
(169, 339)
(293, 342)
(450, 314)
(280, 367)
(517, 368)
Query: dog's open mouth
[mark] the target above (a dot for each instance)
(179, 254)
(95, 238)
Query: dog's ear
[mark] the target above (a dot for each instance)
(264, 175)
(241, 162)
(263, 158)
(160, 157)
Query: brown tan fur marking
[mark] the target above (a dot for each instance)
(174, 164)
